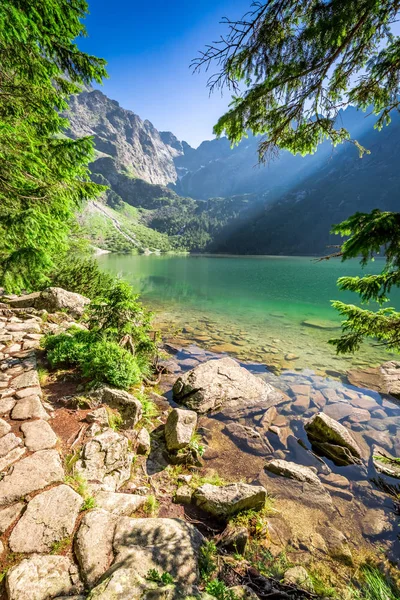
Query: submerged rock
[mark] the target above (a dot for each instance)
(248, 439)
(337, 545)
(385, 463)
(215, 383)
(227, 500)
(333, 440)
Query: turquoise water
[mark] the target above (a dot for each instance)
(273, 309)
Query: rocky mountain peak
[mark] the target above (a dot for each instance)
(135, 145)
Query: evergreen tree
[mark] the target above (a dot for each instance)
(43, 174)
(293, 65)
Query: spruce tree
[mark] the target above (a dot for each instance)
(292, 66)
(43, 174)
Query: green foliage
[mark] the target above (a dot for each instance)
(67, 349)
(196, 445)
(89, 503)
(219, 590)
(60, 546)
(79, 483)
(151, 506)
(100, 360)
(117, 313)
(107, 362)
(375, 586)
(43, 175)
(82, 276)
(117, 348)
(115, 420)
(208, 560)
(150, 410)
(368, 233)
(255, 521)
(299, 63)
(162, 578)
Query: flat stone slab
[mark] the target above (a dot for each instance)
(25, 380)
(94, 544)
(6, 405)
(119, 504)
(30, 391)
(49, 518)
(38, 435)
(31, 474)
(8, 442)
(9, 515)
(42, 578)
(4, 427)
(29, 408)
(11, 458)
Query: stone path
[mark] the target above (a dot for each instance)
(59, 554)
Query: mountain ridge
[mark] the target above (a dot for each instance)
(216, 198)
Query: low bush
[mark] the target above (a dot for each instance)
(118, 348)
(67, 349)
(101, 361)
(107, 362)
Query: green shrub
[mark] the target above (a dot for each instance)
(107, 362)
(82, 276)
(100, 360)
(67, 349)
(219, 590)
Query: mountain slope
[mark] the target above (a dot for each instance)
(300, 221)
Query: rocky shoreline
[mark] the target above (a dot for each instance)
(106, 494)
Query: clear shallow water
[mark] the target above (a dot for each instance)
(274, 310)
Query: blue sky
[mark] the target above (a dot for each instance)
(149, 46)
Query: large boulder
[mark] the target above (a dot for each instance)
(130, 408)
(227, 500)
(221, 382)
(49, 518)
(42, 578)
(333, 440)
(54, 299)
(179, 428)
(167, 545)
(106, 459)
